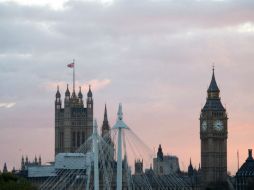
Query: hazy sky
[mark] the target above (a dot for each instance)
(154, 56)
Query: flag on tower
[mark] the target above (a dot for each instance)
(71, 65)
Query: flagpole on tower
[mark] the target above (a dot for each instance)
(73, 75)
(72, 65)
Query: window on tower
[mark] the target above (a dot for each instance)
(61, 143)
(73, 139)
(83, 137)
(78, 139)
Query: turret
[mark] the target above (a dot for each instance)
(89, 105)
(67, 97)
(35, 160)
(39, 160)
(160, 154)
(22, 163)
(58, 102)
(89, 100)
(26, 160)
(80, 96)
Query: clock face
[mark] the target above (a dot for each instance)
(204, 126)
(218, 125)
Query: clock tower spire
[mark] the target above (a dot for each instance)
(213, 136)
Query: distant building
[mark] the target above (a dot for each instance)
(150, 180)
(245, 175)
(5, 170)
(64, 162)
(25, 162)
(73, 121)
(164, 165)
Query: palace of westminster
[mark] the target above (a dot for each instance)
(74, 125)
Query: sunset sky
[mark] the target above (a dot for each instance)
(154, 56)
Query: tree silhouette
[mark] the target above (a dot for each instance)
(9, 181)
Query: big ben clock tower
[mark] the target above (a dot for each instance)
(213, 135)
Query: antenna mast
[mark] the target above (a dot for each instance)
(237, 160)
(73, 75)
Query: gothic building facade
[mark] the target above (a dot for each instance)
(213, 135)
(73, 121)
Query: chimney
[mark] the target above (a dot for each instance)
(250, 154)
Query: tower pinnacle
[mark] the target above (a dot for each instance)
(80, 95)
(58, 95)
(89, 94)
(160, 153)
(67, 92)
(190, 169)
(213, 90)
(105, 130)
(105, 114)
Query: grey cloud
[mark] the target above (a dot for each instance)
(157, 55)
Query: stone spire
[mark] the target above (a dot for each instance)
(213, 101)
(105, 115)
(213, 91)
(105, 126)
(190, 169)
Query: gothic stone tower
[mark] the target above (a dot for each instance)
(213, 135)
(73, 122)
